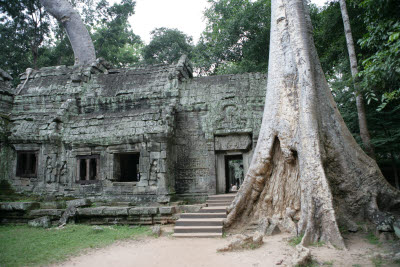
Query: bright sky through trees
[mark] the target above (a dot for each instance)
(185, 15)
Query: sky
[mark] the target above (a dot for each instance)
(185, 15)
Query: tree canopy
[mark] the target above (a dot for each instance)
(167, 46)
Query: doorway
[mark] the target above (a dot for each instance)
(234, 174)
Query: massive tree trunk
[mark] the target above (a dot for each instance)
(362, 118)
(307, 173)
(78, 35)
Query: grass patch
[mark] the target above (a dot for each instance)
(373, 239)
(318, 244)
(294, 241)
(327, 263)
(27, 246)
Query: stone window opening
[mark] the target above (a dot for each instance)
(88, 168)
(126, 167)
(27, 164)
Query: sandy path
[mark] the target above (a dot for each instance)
(169, 251)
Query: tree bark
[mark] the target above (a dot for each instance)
(78, 35)
(362, 119)
(394, 167)
(307, 174)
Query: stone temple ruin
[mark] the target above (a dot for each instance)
(148, 134)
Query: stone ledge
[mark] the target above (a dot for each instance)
(46, 212)
(143, 211)
(19, 206)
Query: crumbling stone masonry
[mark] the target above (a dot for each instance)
(145, 134)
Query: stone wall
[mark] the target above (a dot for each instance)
(229, 106)
(160, 113)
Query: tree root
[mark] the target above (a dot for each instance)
(243, 242)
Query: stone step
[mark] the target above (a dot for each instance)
(198, 229)
(199, 222)
(218, 204)
(215, 209)
(218, 201)
(228, 197)
(196, 235)
(204, 215)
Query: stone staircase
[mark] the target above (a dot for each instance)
(207, 222)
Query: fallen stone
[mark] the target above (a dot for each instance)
(242, 242)
(396, 257)
(69, 213)
(396, 227)
(302, 256)
(43, 222)
(383, 221)
(156, 230)
(97, 228)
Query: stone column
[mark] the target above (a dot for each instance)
(87, 169)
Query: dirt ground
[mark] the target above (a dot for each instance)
(168, 251)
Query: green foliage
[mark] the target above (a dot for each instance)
(381, 74)
(113, 37)
(167, 46)
(294, 241)
(24, 26)
(23, 245)
(236, 38)
(375, 25)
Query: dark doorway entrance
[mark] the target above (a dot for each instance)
(233, 171)
(128, 167)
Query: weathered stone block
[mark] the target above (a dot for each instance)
(98, 211)
(19, 206)
(189, 208)
(46, 212)
(167, 210)
(143, 211)
(115, 211)
(79, 202)
(155, 155)
(52, 205)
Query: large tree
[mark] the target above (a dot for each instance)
(78, 35)
(308, 174)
